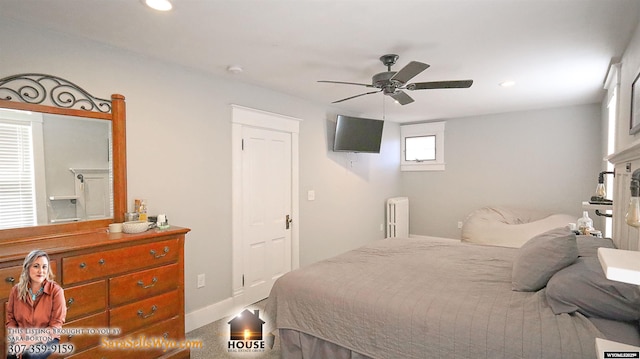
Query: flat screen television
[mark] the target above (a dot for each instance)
(355, 134)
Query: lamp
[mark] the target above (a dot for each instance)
(601, 192)
(633, 211)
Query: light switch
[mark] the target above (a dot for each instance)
(311, 195)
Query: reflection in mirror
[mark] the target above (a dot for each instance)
(65, 165)
(55, 169)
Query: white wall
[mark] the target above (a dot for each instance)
(545, 159)
(70, 143)
(179, 151)
(344, 189)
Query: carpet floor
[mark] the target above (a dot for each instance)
(215, 338)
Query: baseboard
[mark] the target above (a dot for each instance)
(419, 236)
(209, 314)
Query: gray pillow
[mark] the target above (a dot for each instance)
(541, 257)
(588, 245)
(582, 287)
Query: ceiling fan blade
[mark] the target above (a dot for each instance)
(345, 83)
(440, 85)
(362, 94)
(401, 97)
(408, 72)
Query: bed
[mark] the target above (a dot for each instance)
(434, 297)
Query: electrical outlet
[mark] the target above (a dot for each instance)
(381, 227)
(459, 224)
(200, 280)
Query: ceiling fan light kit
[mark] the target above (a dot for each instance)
(392, 83)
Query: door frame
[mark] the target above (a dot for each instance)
(241, 117)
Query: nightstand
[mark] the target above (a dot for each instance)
(622, 266)
(608, 346)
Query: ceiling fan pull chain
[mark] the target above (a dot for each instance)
(384, 116)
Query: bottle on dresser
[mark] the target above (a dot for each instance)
(141, 208)
(585, 224)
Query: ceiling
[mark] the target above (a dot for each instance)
(557, 51)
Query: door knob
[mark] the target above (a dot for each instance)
(287, 221)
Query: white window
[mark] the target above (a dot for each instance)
(17, 176)
(422, 147)
(17, 189)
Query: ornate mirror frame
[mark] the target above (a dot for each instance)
(54, 95)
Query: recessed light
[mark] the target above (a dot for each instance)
(508, 83)
(160, 5)
(234, 69)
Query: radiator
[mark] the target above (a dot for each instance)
(398, 217)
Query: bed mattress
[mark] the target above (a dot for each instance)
(426, 298)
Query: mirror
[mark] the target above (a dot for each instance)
(55, 169)
(76, 169)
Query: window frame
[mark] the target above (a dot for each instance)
(436, 129)
(34, 122)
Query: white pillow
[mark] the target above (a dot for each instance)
(497, 226)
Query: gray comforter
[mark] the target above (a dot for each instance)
(426, 298)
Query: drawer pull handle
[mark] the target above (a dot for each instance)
(164, 253)
(145, 316)
(70, 301)
(10, 280)
(101, 261)
(165, 335)
(153, 282)
(83, 265)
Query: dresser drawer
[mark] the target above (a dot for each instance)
(82, 341)
(144, 284)
(10, 276)
(165, 330)
(101, 264)
(85, 299)
(94, 353)
(145, 312)
(3, 329)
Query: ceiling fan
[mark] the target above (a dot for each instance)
(391, 83)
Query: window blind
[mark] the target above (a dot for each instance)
(17, 189)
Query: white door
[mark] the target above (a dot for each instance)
(94, 193)
(266, 206)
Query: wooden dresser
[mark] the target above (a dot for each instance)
(122, 290)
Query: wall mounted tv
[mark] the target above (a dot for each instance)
(354, 134)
